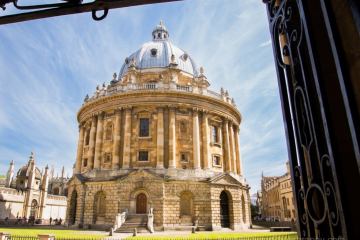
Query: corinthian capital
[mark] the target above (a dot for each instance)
(172, 109)
(160, 108)
(128, 109)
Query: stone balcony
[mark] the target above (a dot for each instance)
(158, 86)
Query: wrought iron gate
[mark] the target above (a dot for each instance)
(320, 114)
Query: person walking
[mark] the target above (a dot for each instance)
(50, 220)
(23, 221)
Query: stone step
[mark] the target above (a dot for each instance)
(131, 230)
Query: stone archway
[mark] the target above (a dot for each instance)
(224, 210)
(34, 206)
(73, 208)
(133, 200)
(186, 208)
(99, 207)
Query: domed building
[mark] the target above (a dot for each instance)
(156, 146)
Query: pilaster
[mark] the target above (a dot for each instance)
(99, 140)
(127, 138)
(237, 149)
(226, 145)
(116, 142)
(232, 147)
(160, 137)
(80, 148)
(206, 139)
(172, 138)
(91, 151)
(196, 138)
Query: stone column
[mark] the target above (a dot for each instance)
(80, 149)
(172, 138)
(160, 137)
(226, 145)
(196, 138)
(91, 151)
(206, 140)
(232, 147)
(127, 139)
(99, 140)
(116, 140)
(237, 149)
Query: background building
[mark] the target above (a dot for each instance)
(28, 194)
(277, 197)
(157, 136)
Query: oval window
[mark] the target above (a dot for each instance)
(153, 52)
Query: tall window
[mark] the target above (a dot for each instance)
(109, 131)
(216, 160)
(144, 127)
(214, 133)
(87, 139)
(85, 162)
(143, 156)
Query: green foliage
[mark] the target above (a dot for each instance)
(254, 211)
(210, 235)
(59, 233)
(2, 176)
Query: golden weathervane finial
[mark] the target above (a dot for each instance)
(160, 22)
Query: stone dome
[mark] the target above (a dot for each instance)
(157, 54)
(24, 171)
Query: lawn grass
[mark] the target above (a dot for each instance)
(59, 233)
(219, 236)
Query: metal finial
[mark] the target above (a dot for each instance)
(160, 22)
(32, 153)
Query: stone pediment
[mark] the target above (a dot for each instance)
(225, 179)
(75, 179)
(141, 175)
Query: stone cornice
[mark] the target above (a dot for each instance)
(171, 94)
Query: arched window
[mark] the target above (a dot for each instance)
(159, 35)
(185, 203)
(109, 131)
(165, 36)
(33, 208)
(154, 36)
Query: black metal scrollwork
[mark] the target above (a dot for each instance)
(315, 194)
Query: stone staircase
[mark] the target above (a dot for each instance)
(138, 221)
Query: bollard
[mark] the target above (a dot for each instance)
(4, 235)
(46, 236)
(193, 229)
(111, 232)
(135, 232)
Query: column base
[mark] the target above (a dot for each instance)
(229, 172)
(160, 167)
(171, 167)
(125, 167)
(196, 167)
(207, 169)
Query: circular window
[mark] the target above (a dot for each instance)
(153, 52)
(127, 60)
(185, 57)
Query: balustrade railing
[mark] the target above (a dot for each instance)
(182, 87)
(145, 86)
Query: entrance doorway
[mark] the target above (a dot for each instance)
(33, 208)
(73, 205)
(224, 210)
(141, 202)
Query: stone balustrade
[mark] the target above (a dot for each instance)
(157, 86)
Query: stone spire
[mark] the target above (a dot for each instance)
(10, 174)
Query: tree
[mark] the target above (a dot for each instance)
(254, 210)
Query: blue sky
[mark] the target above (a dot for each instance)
(48, 66)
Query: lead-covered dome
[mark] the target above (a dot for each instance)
(158, 54)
